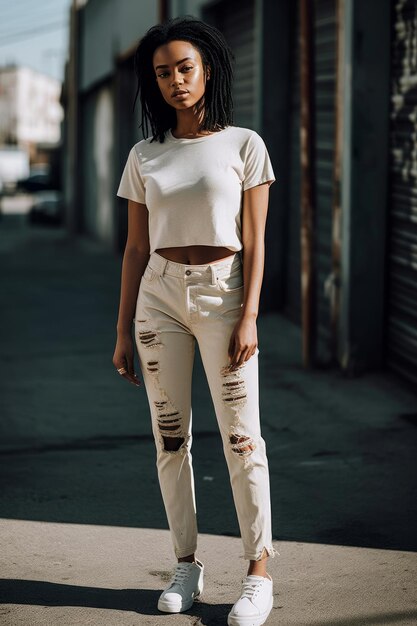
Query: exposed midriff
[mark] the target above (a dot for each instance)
(195, 255)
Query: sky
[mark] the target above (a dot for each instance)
(34, 33)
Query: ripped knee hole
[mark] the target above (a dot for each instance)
(242, 444)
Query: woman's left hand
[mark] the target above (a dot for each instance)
(243, 342)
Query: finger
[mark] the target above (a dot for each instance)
(231, 348)
(250, 354)
(131, 368)
(130, 377)
(242, 358)
(235, 358)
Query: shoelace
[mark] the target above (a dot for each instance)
(250, 588)
(181, 574)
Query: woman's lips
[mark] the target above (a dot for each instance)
(181, 96)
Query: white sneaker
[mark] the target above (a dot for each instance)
(255, 602)
(186, 584)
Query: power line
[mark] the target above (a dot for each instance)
(24, 27)
(8, 39)
(30, 20)
(31, 12)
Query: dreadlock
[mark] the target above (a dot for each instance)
(214, 51)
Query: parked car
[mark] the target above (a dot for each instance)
(47, 208)
(39, 179)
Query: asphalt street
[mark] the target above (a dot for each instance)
(83, 533)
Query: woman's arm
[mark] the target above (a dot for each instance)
(135, 259)
(243, 342)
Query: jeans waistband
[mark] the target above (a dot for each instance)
(213, 270)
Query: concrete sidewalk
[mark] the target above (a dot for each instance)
(106, 575)
(83, 533)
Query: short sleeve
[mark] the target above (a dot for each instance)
(257, 166)
(131, 183)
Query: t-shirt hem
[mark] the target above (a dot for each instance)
(257, 183)
(130, 197)
(216, 244)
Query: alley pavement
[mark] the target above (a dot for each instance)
(83, 534)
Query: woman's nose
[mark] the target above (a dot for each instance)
(176, 79)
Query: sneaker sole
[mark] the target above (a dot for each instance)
(250, 621)
(168, 607)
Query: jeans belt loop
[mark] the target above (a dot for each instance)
(164, 268)
(213, 275)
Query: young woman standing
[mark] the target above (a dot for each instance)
(197, 192)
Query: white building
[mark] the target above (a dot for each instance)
(30, 112)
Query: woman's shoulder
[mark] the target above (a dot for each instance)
(142, 143)
(248, 139)
(244, 134)
(147, 147)
(243, 130)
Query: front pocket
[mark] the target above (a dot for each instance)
(231, 283)
(149, 274)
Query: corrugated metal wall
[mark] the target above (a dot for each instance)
(401, 349)
(324, 109)
(325, 89)
(293, 281)
(237, 22)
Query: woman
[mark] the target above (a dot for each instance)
(197, 193)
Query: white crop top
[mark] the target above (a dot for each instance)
(193, 188)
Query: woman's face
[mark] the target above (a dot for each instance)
(178, 67)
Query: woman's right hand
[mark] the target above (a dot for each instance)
(123, 358)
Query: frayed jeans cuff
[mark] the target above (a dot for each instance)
(257, 557)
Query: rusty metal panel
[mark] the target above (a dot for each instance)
(401, 348)
(325, 65)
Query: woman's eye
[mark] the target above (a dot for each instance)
(184, 69)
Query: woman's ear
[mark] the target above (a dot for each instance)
(208, 72)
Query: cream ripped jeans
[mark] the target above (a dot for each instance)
(176, 305)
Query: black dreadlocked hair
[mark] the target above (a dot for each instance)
(214, 51)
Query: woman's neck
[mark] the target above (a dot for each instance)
(188, 126)
(179, 134)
